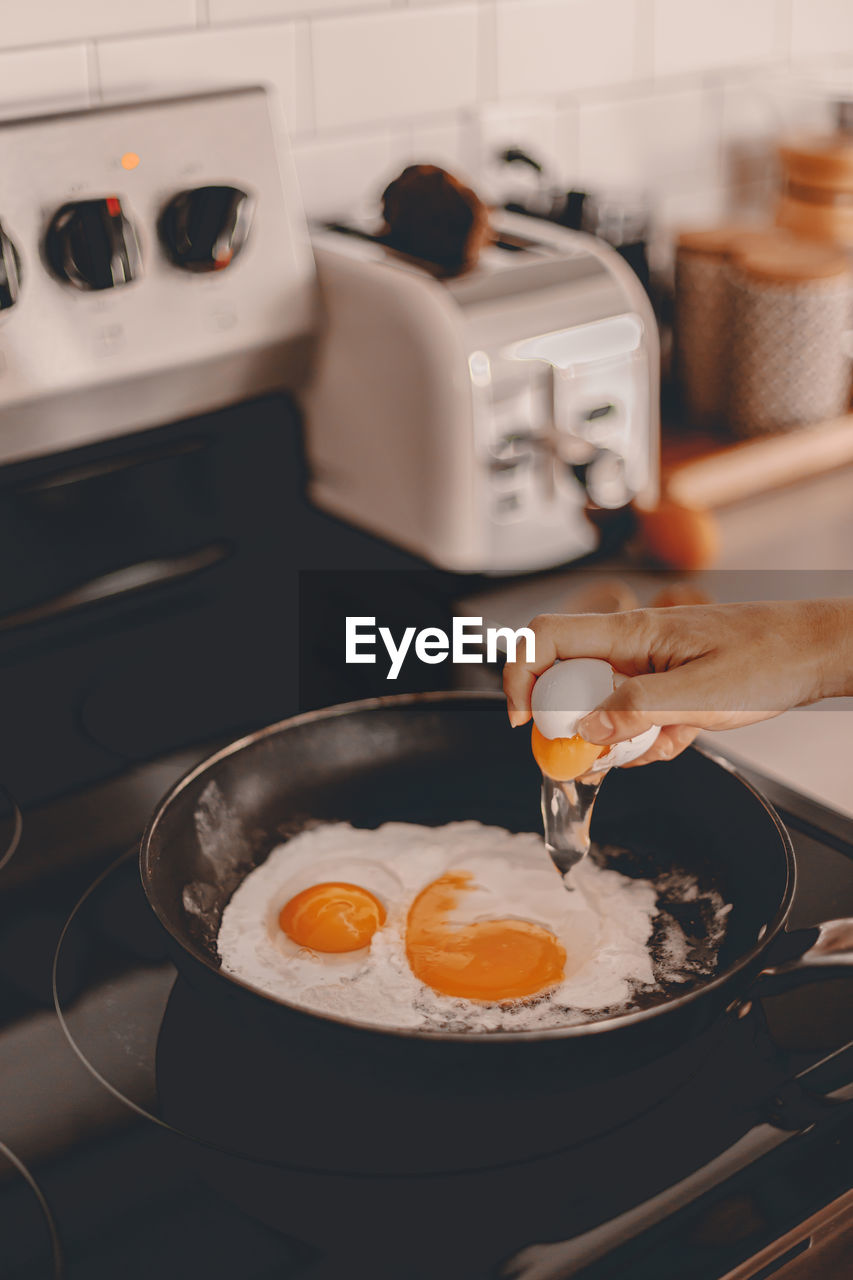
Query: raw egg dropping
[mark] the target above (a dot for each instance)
(562, 696)
(563, 758)
(485, 960)
(332, 917)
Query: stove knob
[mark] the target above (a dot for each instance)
(10, 272)
(204, 229)
(92, 245)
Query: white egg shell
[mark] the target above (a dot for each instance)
(566, 692)
(631, 749)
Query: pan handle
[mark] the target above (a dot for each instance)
(829, 955)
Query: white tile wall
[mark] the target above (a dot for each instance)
(49, 21)
(652, 93)
(341, 174)
(560, 46)
(31, 77)
(200, 59)
(249, 10)
(698, 35)
(821, 27)
(394, 65)
(649, 142)
(441, 141)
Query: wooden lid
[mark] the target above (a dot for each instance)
(825, 161)
(791, 261)
(829, 223)
(727, 241)
(713, 242)
(759, 239)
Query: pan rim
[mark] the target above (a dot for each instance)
(571, 1032)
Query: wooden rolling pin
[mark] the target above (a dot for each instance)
(732, 472)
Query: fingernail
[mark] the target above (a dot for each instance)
(596, 727)
(514, 715)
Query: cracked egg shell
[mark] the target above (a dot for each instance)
(567, 691)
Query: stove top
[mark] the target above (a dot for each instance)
(130, 1125)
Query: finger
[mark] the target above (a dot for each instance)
(681, 736)
(670, 742)
(688, 695)
(623, 639)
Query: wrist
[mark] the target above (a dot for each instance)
(836, 648)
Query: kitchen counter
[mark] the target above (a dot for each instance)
(799, 540)
(794, 543)
(804, 527)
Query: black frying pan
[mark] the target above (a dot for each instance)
(435, 758)
(413, 1100)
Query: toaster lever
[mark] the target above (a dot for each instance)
(600, 471)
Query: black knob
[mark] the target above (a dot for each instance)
(92, 245)
(10, 272)
(204, 229)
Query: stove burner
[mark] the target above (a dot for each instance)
(15, 819)
(57, 1258)
(192, 1059)
(285, 1134)
(296, 1142)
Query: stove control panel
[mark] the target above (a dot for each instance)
(154, 264)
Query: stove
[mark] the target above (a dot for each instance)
(171, 589)
(736, 1166)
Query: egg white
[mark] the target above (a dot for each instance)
(513, 886)
(603, 926)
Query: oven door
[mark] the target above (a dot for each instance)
(143, 600)
(149, 596)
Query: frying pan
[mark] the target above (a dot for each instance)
(435, 758)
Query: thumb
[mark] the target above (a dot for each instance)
(684, 695)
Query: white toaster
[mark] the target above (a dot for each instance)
(472, 420)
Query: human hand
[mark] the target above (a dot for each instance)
(692, 667)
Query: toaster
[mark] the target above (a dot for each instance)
(474, 421)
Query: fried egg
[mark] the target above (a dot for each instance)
(464, 925)
(326, 910)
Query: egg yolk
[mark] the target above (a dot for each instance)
(332, 917)
(564, 759)
(488, 960)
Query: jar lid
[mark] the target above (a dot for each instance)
(759, 239)
(713, 242)
(791, 261)
(726, 241)
(820, 161)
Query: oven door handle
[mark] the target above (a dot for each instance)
(119, 582)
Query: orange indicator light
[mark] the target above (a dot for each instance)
(129, 160)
